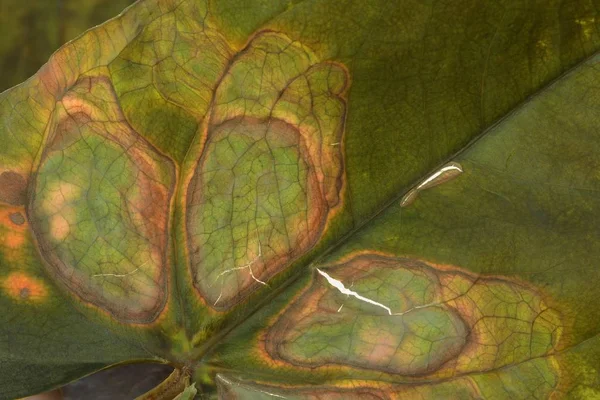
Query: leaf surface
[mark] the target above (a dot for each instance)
(310, 200)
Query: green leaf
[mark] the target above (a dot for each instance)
(311, 199)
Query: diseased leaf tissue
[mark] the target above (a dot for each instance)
(243, 196)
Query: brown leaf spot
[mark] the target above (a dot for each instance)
(17, 218)
(13, 188)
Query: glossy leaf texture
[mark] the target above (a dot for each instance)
(332, 199)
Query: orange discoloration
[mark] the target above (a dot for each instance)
(23, 287)
(12, 235)
(14, 240)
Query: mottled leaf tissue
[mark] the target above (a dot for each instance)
(308, 199)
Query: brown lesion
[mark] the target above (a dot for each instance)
(136, 294)
(149, 207)
(17, 218)
(305, 100)
(13, 188)
(506, 321)
(267, 250)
